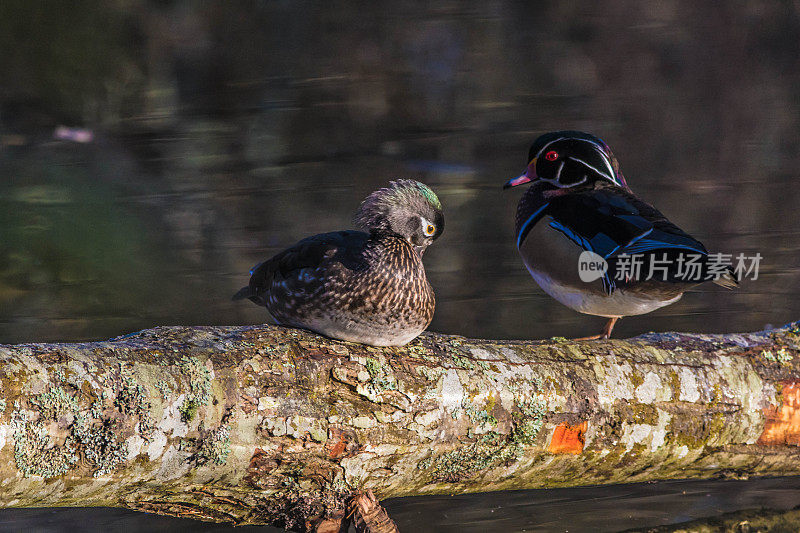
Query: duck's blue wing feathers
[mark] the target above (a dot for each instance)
(611, 222)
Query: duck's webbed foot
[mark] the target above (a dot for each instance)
(605, 334)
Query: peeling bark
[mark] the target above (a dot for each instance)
(369, 516)
(267, 425)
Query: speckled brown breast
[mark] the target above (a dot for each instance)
(376, 295)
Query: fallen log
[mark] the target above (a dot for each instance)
(267, 425)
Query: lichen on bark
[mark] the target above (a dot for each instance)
(263, 424)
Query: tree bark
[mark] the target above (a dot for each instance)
(267, 425)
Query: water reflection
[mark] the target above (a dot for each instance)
(225, 132)
(638, 506)
(598, 509)
(225, 142)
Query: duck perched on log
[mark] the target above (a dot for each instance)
(365, 286)
(579, 209)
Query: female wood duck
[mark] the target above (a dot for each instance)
(580, 206)
(355, 286)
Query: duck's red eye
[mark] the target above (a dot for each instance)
(551, 155)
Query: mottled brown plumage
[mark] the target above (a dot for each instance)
(351, 285)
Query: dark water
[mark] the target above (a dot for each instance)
(597, 509)
(223, 132)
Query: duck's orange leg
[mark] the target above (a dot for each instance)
(606, 333)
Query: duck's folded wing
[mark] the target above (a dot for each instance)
(614, 223)
(340, 246)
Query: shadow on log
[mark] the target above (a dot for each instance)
(267, 425)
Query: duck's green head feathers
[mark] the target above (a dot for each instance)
(406, 207)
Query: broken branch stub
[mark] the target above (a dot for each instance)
(267, 425)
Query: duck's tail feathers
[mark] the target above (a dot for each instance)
(253, 294)
(728, 279)
(244, 292)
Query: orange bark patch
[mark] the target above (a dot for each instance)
(340, 443)
(261, 464)
(337, 449)
(783, 424)
(568, 439)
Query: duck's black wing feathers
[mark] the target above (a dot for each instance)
(612, 222)
(342, 247)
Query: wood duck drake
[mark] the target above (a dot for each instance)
(368, 287)
(579, 205)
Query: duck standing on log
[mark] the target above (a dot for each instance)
(367, 287)
(579, 208)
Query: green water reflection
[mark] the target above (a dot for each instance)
(224, 133)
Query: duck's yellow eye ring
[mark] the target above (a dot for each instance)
(430, 229)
